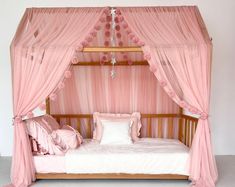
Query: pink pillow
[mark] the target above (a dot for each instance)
(41, 133)
(135, 128)
(66, 138)
(51, 121)
(51, 142)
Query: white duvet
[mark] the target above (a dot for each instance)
(147, 156)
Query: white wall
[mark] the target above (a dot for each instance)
(219, 17)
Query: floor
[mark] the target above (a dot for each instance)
(226, 167)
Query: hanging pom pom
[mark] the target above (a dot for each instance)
(61, 85)
(119, 35)
(106, 11)
(88, 38)
(135, 39)
(147, 57)
(79, 48)
(107, 34)
(153, 69)
(74, 60)
(125, 56)
(120, 43)
(85, 43)
(117, 27)
(163, 83)
(104, 58)
(128, 31)
(42, 106)
(93, 33)
(108, 18)
(102, 62)
(107, 26)
(97, 27)
(106, 43)
(204, 116)
(182, 104)
(116, 20)
(102, 19)
(130, 62)
(30, 115)
(171, 94)
(17, 119)
(140, 43)
(131, 35)
(120, 18)
(53, 97)
(118, 11)
(67, 74)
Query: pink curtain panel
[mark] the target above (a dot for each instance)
(175, 43)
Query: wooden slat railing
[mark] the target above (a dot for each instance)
(186, 125)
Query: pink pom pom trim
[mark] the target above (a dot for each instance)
(79, 48)
(107, 34)
(140, 43)
(53, 97)
(61, 85)
(107, 26)
(163, 83)
(67, 74)
(147, 57)
(119, 35)
(97, 27)
(153, 69)
(121, 18)
(120, 43)
(74, 60)
(30, 115)
(102, 19)
(125, 25)
(130, 62)
(117, 27)
(171, 94)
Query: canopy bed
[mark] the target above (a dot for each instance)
(54, 47)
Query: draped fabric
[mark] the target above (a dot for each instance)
(92, 89)
(135, 88)
(174, 41)
(178, 50)
(41, 53)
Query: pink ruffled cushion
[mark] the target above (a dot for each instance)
(54, 125)
(51, 141)
(135, 128)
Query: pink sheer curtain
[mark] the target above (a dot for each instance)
(135, 88)
(178, 49)
(91, 89)
(41, 53)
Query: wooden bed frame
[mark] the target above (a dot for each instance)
(186, 130)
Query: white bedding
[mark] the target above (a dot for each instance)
(147, 156)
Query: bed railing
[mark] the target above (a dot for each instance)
(172, 126)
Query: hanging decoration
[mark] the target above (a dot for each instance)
(113, 41)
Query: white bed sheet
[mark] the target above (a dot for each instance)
(147, 156)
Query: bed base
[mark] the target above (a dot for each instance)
(110, 176)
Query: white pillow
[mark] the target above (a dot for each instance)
(116, 132)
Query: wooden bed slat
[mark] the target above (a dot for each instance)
(170, 128)
(160, 128)
(149, 127)
(109, 176)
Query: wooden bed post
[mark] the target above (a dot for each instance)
(48, 106)
(180, 130)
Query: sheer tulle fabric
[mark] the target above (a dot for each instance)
(179, 54)
(177, 47)
(41, 52)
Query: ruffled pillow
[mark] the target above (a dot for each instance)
(51, 141)
(134, 117)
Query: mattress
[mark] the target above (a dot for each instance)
(147, 156)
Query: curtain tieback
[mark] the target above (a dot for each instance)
(16, 119)
(204, 116)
